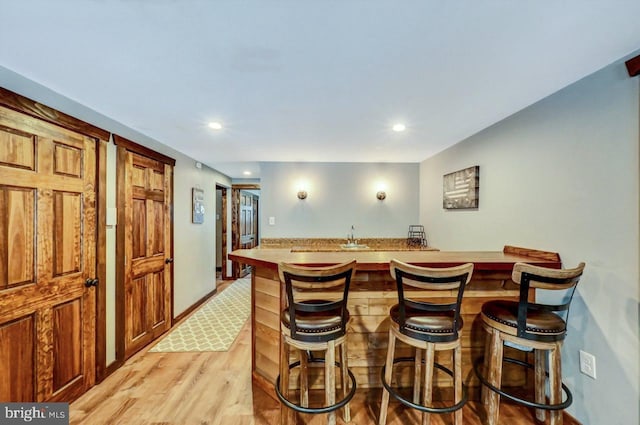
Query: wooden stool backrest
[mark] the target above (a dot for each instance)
(433, 279)
(530, 276)
(299, 280)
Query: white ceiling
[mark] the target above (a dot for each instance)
(311, 80)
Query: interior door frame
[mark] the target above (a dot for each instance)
(125, 145)
(45, 113)
(235, 220)
(223, 216)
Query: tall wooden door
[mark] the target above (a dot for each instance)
(248, 225)
(47, 260)
(147, 195)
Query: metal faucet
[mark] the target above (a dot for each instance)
(351, 240)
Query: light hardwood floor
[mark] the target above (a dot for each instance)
(215, 388)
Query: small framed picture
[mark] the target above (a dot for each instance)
(460, 189)
(198, 205)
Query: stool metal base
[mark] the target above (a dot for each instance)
(522, 401)
(316, 410)
(411, 404)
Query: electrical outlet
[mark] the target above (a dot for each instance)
(272, 221)
(588, 364)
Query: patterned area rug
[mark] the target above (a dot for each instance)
(215, 325)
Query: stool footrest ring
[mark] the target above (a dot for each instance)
(528, 403)
(316, 410)
(408, 403)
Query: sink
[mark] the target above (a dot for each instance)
(353, 246)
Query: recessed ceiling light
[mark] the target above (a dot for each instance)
(246, 173)
(398, 127)
(215, 125)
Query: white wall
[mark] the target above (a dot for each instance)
(339, 195)
(194, 244)
(562, 175)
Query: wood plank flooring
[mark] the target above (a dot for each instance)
(215, 388)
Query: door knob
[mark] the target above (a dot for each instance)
(168, 261)
(90, 282)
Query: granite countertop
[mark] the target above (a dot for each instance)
(333, 248)
(338, 245)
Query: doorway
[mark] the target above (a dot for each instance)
(222, 271)
(245, 218)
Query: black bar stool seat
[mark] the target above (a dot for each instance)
(315, 322)
(429, 323)
(501, 312)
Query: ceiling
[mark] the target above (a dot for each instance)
(311, 80)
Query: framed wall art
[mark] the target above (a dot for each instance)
(461, 189)
(198, 205)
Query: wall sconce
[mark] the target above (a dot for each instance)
(302, 186)
(381, 190)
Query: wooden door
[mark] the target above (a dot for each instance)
(147, 195)
(221, 232)
(47, 260)
(248, 225)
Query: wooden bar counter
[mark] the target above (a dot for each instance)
(371, 295)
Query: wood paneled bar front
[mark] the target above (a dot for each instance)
(371, 294)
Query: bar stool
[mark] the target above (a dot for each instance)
(309, 324)
(427, 326)
(528, 326)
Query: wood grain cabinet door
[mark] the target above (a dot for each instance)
(147, 268)
(47, 260)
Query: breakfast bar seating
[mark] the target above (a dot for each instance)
(372, 293)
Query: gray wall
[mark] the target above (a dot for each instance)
(562, 175)
(339, 195)
(194, 244)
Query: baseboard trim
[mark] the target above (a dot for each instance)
(115, 365)
(191, 309)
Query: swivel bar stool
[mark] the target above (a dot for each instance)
(428, 326)
(528, 326)
(309, 324)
